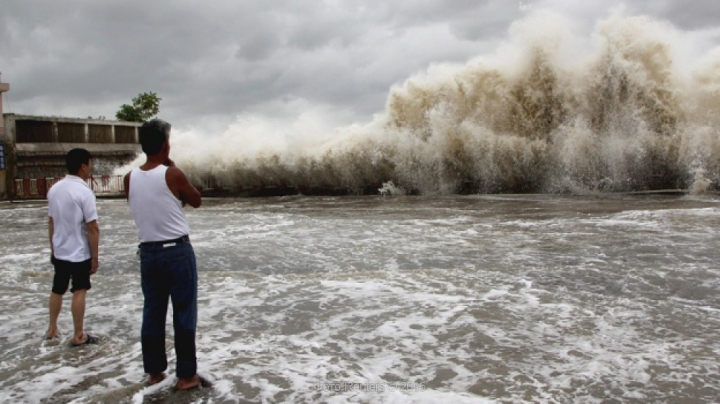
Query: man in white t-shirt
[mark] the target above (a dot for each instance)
(74, 239)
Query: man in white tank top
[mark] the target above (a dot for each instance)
(157, 192)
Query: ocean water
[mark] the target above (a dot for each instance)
(627, 104)
(395, 299)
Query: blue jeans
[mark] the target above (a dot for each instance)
(169, 273)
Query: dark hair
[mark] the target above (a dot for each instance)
(75, 158)
(153, 134)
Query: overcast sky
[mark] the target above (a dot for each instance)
(214, 61)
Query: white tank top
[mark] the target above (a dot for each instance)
(158, 214)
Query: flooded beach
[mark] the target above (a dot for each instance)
(468, 299)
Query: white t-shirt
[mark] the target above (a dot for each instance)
(71, 204)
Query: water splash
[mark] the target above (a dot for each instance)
(629, 108)
(389, 189)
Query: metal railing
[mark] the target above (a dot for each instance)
(38, 187)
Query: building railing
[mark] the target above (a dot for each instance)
(113, 186)
(38, 187)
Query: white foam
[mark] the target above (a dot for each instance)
(380, 290)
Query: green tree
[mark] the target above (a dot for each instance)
(144, 107)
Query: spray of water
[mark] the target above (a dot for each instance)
(633, 106)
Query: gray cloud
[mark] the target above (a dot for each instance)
(216, 60)
(696, 14)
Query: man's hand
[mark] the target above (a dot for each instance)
(94, 241)
(94, 265)
(51, 230)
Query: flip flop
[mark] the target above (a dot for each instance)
(91, 339)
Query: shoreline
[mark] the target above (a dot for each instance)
(281, 192)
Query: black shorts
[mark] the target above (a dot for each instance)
(79, 272)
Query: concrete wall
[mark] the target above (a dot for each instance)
(36, 146)
(4, 87)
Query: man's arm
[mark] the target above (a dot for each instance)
(126, 183)
(94, 240)
(51, 230)
(181, 187)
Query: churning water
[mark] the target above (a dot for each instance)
(632, 105)
(438, 298)
(443, 299)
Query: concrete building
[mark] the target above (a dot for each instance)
(33, 149)
(4, 87)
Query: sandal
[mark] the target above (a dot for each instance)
(91, 339)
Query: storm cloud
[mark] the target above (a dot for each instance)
(212, 62)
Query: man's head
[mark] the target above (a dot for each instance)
(78, 163)
(154, 135)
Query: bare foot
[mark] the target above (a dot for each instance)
(186, 383)
(155, 378)
(52, 333)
